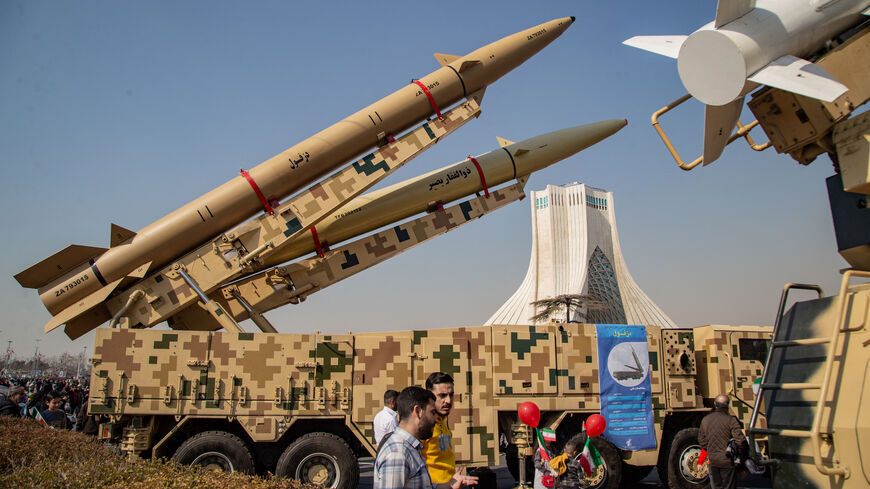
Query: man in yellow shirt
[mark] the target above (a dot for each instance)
(438, 450)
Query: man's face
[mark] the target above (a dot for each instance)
(427, 421)
(391, 404)
(443, 398)
(54, 404)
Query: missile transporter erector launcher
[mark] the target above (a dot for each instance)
(302, 405)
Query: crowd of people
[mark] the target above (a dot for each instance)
(58, 403)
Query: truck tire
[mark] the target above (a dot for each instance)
(322, 459)
(683, 470)
(664, 453)
(632, 474)
(609, 474)
(216, 450)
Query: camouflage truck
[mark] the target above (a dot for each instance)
(302, 405)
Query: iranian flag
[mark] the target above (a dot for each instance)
(589, 458)
(38, 417)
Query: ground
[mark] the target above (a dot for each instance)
(505, 481)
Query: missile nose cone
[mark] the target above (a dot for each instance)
(484, 66)
(542, 151)
(573, 18)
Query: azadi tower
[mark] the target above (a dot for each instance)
(575, 250)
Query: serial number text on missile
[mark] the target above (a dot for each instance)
(339, 216)
(429, 86)
(70, 285)
(536, 34)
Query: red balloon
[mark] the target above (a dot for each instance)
(529, 414)
(595, 425)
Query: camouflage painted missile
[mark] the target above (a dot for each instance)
(167, 295)
(85, 276)
(426, 192)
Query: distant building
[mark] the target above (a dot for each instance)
(575, 250)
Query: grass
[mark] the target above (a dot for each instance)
(34, 456)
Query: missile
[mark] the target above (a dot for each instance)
(755, 42)
(83, 276)
(439, 187)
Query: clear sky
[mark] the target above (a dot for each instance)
(120, 112)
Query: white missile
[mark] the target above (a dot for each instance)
(755, 42)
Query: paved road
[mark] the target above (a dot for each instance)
(505, 481)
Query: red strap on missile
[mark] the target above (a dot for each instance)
(431, 99)
(480, 173)
(258, 192)
(317, 245)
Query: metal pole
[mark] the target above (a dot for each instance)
(81, 362)
(36, 359)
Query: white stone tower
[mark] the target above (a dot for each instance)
(575, 250)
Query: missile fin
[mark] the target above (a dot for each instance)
(83, 324)
(799, 76)
(468, 63)
(719, 122)
(445, 59)
(664, 45)
(502, 142)
(731, 10)
(520, 152)
(81, 307)
(140, 272)
(119, 235)
(57, 265)
(478, 96)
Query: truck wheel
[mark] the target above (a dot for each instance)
(322, 459)
(632, 474)
(664, 452)
(683, 470)
(608, 475)
(216, 450)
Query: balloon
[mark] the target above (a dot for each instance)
(595, 425)
(529, 414)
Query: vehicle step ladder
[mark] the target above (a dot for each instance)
(815, 433)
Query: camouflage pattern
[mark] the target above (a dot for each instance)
(235, 253)
(723, 368)
(266, 382)
(294, 282)
(679, 359)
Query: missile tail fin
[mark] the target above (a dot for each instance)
(719, 122)
(799, 76)
(664, 45)
(119, 235)
(731, 10)
(82, 307)
(502, 142)
(445, 59)
(57, 265)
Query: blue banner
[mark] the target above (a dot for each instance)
(626, 394)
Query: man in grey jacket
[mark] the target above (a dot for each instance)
(717, 430)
